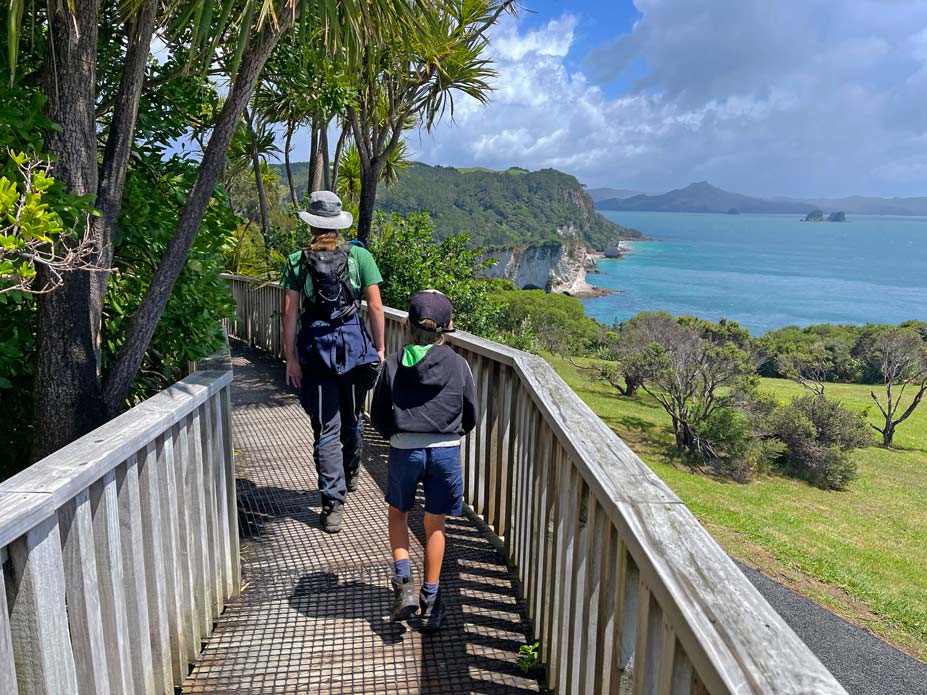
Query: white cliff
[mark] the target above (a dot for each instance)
(550, 267)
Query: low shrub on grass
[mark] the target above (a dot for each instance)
(818, 434)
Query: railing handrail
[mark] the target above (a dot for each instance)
(735, 640)
(120, 549)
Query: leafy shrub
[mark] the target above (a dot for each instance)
(818, 434)
(559, 322)
(410, 261)
(190, 326)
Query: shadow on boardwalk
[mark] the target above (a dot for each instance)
(312, 615)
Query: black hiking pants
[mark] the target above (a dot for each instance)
(334, 403)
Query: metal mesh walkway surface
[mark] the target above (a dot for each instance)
(312, 615)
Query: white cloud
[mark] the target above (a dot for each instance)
(801, 97)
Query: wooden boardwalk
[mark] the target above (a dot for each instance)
(312, 616)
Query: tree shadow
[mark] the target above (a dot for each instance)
(321, 596)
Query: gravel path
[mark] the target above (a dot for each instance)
(864, 664)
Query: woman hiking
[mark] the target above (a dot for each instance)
(330, 356)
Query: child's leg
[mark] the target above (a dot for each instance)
(434, 547)
(399, 534)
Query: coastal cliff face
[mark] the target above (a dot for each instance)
(550, 267)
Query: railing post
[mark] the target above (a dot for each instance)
(82, 586)
(7, 660)
(38, 617)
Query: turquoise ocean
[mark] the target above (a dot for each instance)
(768, 271)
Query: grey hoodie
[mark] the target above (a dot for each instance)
(436, 395)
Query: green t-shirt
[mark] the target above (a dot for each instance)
(361, 266)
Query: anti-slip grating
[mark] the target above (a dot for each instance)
(312, 616)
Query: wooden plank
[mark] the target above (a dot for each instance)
(210, 462)
(502, 452)
(486, 408)
(73, 468)
(88, 640)
(134, 571)
(108, 550)
(589, 674)
(154, 529)
(176, 564)
(579, 566)
(545, 487)
(190, 556)
(199, 526)
(570, 490)
(491, 484)
(38, 617)
(218, 467)
(511, 532)
(608, 628)
(535, 532)
(21, 511)
(647, 649)
(7, 661)
(550, 557)
(554, 634)
(231, 494)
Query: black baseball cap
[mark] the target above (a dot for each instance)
(434, 306)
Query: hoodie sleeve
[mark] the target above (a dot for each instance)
(381, 408)
(468, 419)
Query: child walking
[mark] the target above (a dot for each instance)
(424, 403)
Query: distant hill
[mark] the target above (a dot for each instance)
(598, 194)
(509, 209)
(703, 197)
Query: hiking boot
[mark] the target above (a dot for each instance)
(331, 521)
(404, 604)
(433, 614)
(352, 481)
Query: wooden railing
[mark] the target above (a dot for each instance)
(118, 551)
(625, 589)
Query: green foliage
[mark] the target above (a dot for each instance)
(840, 352)
(529, 658)
(410, 261)
(818, 434)
(558, 323)
(190, 325)
(501, 209)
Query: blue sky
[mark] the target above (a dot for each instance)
(792, 97)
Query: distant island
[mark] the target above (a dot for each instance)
(818, 216)
(704, 197)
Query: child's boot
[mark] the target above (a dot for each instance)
(433, 614)
(404, 604)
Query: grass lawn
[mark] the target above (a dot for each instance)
(862, 552)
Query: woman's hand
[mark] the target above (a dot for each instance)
(294, 373)
(382, 354)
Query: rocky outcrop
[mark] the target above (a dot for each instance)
(550, 267)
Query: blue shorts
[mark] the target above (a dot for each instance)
(438, 469)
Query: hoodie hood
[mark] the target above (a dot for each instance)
(427, 365)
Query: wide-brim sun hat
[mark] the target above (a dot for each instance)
(325, 212)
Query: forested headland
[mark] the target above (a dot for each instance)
(497, 209)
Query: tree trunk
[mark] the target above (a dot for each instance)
(368, 199)
(287, 147)
(313, 157)
(116, 154)
(143, 324)
(258, 177)
(336, 162)
(888, 435)
(67, 386)
(326, 165)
